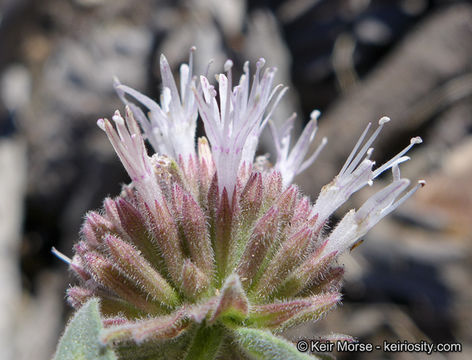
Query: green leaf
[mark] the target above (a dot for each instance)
(173, 349)
(81, 337)
(206, 343)
(262, 345)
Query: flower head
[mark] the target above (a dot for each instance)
(204, 247)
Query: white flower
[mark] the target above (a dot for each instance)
(292, 164)
(129, 146)
(354, 175)
(170, 127)
(356, 224)
(233, 128)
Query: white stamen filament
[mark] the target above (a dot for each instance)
(61, 256)
(388, 164)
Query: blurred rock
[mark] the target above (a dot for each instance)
(15, 87)
(436, 52)
(39, 322)
(12, 185)
(449, 195)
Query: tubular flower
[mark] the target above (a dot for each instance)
(204, 255)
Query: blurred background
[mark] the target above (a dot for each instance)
(355, 60)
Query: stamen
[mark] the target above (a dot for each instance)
(366, 146)
(275, 103)
(255, 83)
(101, 124)
(381, 203)
(166, 99)
(143, 99)
(354, 151)
(307, 163)
(228, 65)
(207, 70)
(388, 164)
(420, 184)
(61, 256)
(186, 92)
(396, 172)
(315, 114)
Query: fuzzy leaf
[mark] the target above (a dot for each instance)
(78, 267)
(223, 238)
(134, 230)
(153, 329)
(167, 239)
(193, 280)
(262, 345)
(233, 301)
(110, 305)
(206, 343)
(260, 241)
(271, 189)
(80, 340)
(77, 296)
(196, 235)
(190, 170)
(107, 274)
(251, 198)
(330, 282)
(94, 229)
(292, 312)
(287, 257)
(156, 350)
(315, 266)
(138, 268)
(287, 204)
